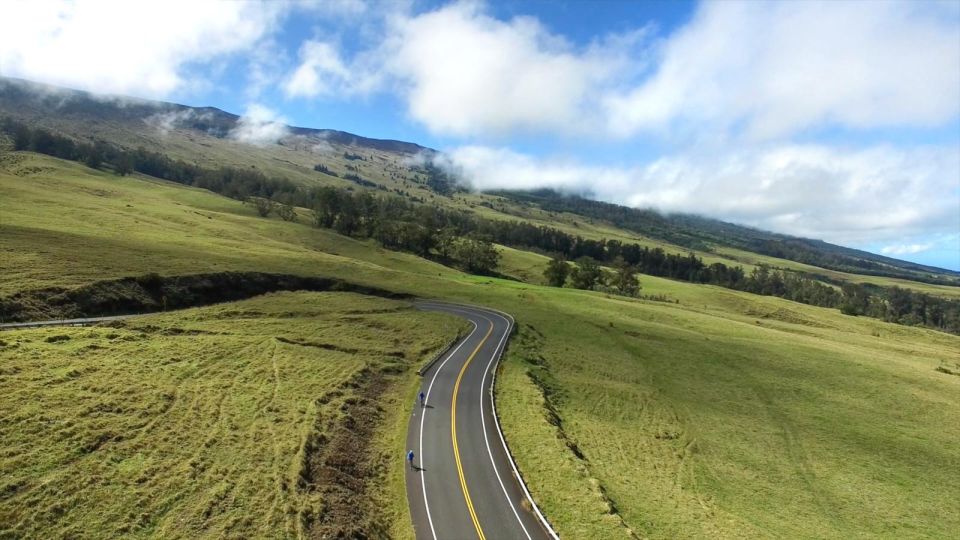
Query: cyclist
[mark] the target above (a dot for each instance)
(423, 399)
(410, 458)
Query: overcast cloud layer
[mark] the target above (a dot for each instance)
(773, 114)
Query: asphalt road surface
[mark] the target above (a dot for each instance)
(463, 485)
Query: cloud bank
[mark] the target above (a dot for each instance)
(772, 69)
(847, 196)
(142, 48)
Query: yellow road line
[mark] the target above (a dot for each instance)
(453, 431)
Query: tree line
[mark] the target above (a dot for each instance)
(695, 232)
(461, 238)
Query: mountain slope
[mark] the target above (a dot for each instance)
(210, 137)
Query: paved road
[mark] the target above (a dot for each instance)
(464, 486)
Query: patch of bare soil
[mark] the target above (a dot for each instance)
(343, 467)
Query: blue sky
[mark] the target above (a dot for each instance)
(834, 120)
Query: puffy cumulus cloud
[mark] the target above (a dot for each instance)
(765, 71)
(260, 126)
(323, 72)
(772, 69)
(127, 47)
(880, 194)
(464, 73)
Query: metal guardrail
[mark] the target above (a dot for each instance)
(63, 322)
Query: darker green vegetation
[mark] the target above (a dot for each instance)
(557, 272)
(587, 274)
(152, 292)
(697, 232)
(321, 168)
(460, 238)
(902, 306)
(360, 181)
(438, 179)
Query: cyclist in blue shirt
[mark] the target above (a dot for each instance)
(410, 458)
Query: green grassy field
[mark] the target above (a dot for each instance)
(214, 422)
(732, 417)
(721, 414)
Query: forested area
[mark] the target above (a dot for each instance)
(460, 238)
(696, 232)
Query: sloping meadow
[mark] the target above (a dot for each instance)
(271, 417)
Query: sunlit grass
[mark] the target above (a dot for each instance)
(194, 423)
(720, 414)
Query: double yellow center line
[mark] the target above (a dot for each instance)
(453, 431)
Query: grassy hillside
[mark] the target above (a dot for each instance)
(731, 416)
(213, 422)
(204, 136)
(719, 414)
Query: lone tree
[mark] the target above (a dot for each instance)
(587, 274)
(264, 206)
(557, 271)
(625, 280)
(124, 165)
(286, 212)
(477, 255)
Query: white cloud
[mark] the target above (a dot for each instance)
(906, 249)
(465, 73)
(773, 69)
(878, 194)
(321, 71)
(763, 70)
(462, 72)
(141, 48)
(168, 121)
(501, 168)
(260, 126)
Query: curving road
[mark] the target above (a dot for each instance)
(464, 485)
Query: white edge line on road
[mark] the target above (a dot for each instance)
(543, 520)
(423, 417)
(483, 422)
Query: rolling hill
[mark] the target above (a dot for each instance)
(211, 137)
(692, 410)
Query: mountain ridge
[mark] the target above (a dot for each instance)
(72, 101)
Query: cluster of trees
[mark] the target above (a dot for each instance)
(320, 167)
(697, 232)
(462, 238)
(903, 306)
(588, 274)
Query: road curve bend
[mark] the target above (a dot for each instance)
(464, 484)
